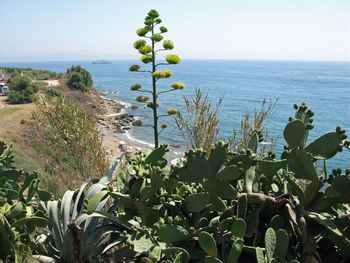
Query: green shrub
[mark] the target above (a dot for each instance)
(79, 78)
(22, 90)
(19, 213)
(70, 137)
(54, 92)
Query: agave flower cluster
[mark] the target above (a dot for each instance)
(149, 45)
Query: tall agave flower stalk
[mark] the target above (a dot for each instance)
(151, 43)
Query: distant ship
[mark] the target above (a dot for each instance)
(101, 61)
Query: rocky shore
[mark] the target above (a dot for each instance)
(114, 124)
(115, 119)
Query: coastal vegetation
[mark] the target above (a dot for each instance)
(22, 90)
(79, 78)
(198, 122)
(34, 74)
(66, 133)
(154, 33)
(236, 204)
(228, 201)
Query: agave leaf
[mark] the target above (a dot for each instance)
(93, 189)
(79, 200)
(91, 223)
(53, 212)
(90, 250)
(122, 224)
(68, 247)
(95, 200)
(110, 171)
(66, 207)
(43, 259)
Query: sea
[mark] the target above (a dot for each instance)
(243, 85)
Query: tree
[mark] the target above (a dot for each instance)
(79, 78)
(153, 32)
(22, 90)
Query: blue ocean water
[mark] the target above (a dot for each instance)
(324, 86)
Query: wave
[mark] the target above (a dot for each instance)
(332, 77)
(131, 138)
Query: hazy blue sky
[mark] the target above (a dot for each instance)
(221, 29)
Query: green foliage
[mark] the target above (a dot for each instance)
(79, 78)
(70, 137)
(37, 74)
(54, 92)
(198, 123)
(19, 213)
(81, 229)
(226, 205)
(235, 205)
(22, 90)
(153, 33)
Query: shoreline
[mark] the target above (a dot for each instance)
(115, 126)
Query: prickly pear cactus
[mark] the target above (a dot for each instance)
(240, 204)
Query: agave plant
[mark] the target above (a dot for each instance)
(82, 225)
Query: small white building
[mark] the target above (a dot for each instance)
(4, 89)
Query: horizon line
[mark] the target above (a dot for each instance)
(184, 59)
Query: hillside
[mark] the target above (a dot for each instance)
(18, 129)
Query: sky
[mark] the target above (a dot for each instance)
(200, 29)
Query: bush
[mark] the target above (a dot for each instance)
(70, 138)
(19, 213)
(54, 92)
(199, 125)
(79, 78)
(22, 90)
